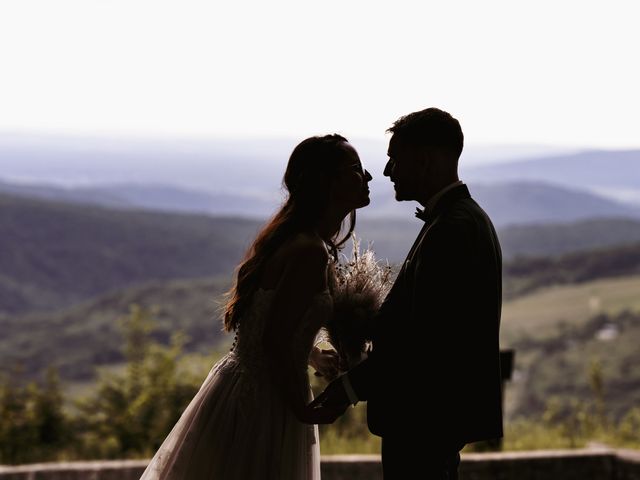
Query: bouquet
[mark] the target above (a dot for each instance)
(359, 285)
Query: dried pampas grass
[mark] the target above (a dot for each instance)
(359, 285)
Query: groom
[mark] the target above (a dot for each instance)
(437, 330)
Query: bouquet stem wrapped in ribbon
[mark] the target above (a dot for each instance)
(359, 286)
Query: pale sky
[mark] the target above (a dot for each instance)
(558, 72)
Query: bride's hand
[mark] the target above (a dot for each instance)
(325, 362)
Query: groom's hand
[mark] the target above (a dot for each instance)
(321, 415)
(334, 396)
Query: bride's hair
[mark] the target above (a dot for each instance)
(308, 177)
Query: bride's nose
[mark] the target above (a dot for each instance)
(367, 176)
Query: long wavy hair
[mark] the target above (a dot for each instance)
(307, 180)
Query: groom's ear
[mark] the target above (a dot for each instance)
(423, 153)
(423, 156)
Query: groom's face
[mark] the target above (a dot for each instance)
(405, 168)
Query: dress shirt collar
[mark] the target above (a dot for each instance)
(430, 206)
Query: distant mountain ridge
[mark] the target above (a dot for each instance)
(164, 198)
(207, 164)
(513, 203)
(253, 168)
(522, 203)
(591, 167)
(616, 173)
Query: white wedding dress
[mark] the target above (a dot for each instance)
(238, 426)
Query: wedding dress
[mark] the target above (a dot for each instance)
(238, 426)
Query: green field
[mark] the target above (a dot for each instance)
(546, 312)
(560, 333)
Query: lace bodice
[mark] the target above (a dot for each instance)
(249, 347)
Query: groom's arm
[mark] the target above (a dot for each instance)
(358, 381)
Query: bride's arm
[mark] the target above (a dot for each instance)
(303, 277)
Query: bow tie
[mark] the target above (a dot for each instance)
(422, 214)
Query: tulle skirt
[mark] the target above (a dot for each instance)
(237, 427)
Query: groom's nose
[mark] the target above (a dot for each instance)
(388, 168)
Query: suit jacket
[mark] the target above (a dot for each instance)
(435, 364)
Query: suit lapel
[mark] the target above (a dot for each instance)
(450, 197)
(447, 199)
(417, 242)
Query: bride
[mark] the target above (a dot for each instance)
(251, 419)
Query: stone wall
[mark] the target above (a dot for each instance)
(593, 464)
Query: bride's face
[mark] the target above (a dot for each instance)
(351, 183)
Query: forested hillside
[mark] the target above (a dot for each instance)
(53, 255)
(81, 338)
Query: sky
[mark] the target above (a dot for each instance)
(556, 73)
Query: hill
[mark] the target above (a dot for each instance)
(554, 239)
(523, 275)
(611, 172)
(56, 254)
(518, 203)
(79, 339)
(164, 198)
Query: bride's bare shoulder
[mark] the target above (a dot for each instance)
(304, 250)
(305, 244)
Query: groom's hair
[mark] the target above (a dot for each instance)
(431, 127)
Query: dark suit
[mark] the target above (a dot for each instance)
(437, 332)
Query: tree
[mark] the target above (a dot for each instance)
(132, 413)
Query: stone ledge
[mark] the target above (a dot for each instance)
(541, 465)
(591, 464)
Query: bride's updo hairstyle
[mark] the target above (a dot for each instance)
(312, 166)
